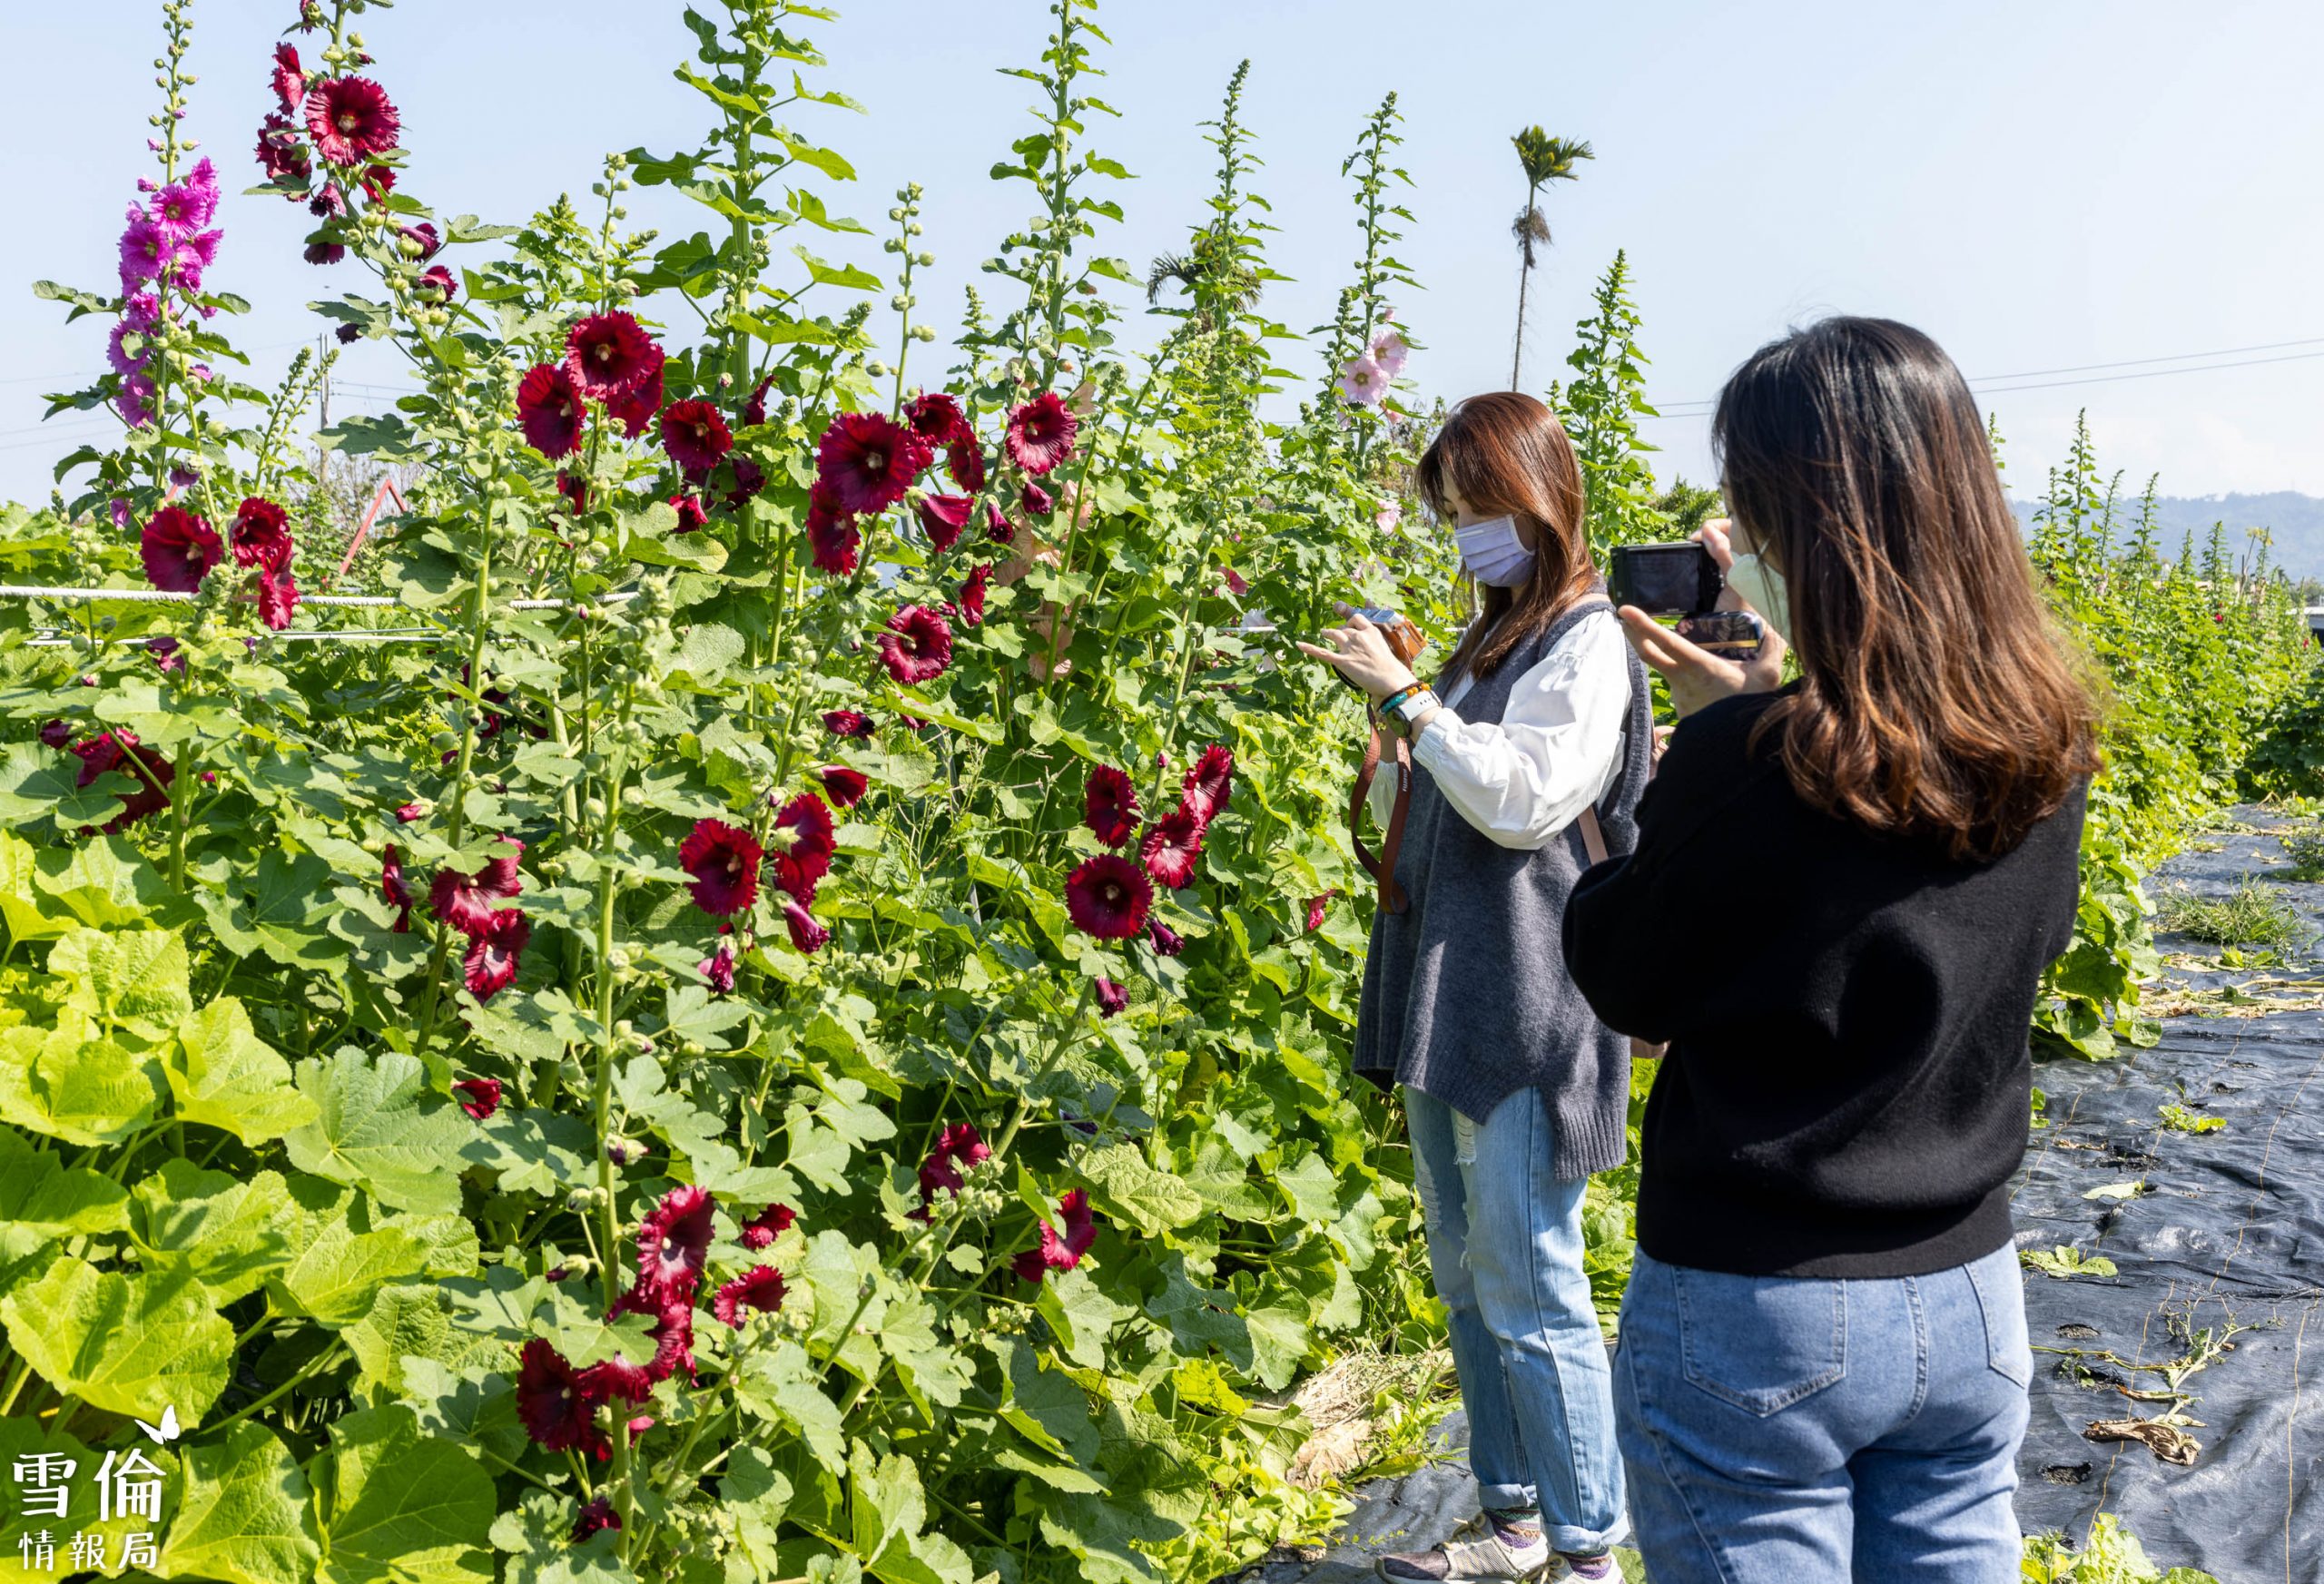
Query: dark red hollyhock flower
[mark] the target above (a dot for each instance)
(972, 594)
(847, 722)
(328, 203)
(550, 407)
(769, 1225)
(280, 152)
(724, 860)
(807, 934)
(55, 734)
(1165, 940)
(278, 597)
(917, 647)
(959, 1146)
(423, 237)
(833, 541)
(348, 334)
(844, 786)
(1211, 782)
(479, 1097)
(597, 1514)
(557, 1408)
(942, 517)
(1108, 896)
(1111, 997)
(1173, 845)
(718, 968)
(997, 527)
(754, 406)
(749, 479)
(694, 434)
(635, 409)
(1036, 500)
(1040, 433)
(574, 488)
(377, 180)
(392, 887)
(494, 956)
(964, 463)
(324, 252)
(119, 750)
(179, 549)
(1317, 908)
(798, 847)
(673, 1243)
(1062, 1251)
(260, 535)
(691, 517)
(351, 120)
(290, 82)
(610, 353)
(759, 1288)
(440, 277)
(672, 1331)
(868, 461)
(465, 900)
(1110, 806)
(936, 417)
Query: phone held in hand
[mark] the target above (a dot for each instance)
(1683, 581)
(1405, 640)
(1730, 635)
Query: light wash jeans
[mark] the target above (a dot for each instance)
(1784, 1428)
(1504, 1241)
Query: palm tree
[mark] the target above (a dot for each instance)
(1208, 270)
(1546, 159)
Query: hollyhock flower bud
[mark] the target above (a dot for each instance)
(807, 934)
(479, 1097)
(718, 968)
(624, 1152)
(1166, 942)
(1111, 997)
(1317, 909)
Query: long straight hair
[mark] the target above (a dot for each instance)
(1504, 453)
(1939, 697)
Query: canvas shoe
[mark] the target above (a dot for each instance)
(1475, 1552)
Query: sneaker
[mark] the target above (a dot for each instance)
(1589, 1570)
(1483, 1557)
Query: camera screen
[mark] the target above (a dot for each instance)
(1665, 579)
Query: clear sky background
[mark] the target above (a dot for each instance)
(2040, 185)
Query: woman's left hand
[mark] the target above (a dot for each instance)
(1362, 655)
(1697, 676)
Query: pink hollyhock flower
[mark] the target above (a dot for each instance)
(1107, 896)
(1109, 805)
(694, 434)
(970, 594)
(407, 812)
(289, 81)
(958, 1147)
(550, 407)
(282, 154)
(844, 786)
(494, 954)
(1165, 940)
(117, 354)
(1388, 516)
(1040, 433)
(1111, 997)
(1318, 908)
(800, 844)
(964, 462)
(597, 1513)
(718, 968)
(833, 543)
(997, 527)
(1389, 349)
(260, 535)
(608, 353)
(1361, 382)
(638, 407)
(1211, 782)
(465, 901)
(392, 887)
(759, 1288)
(867, 461)
(425, 242)
(807, 933)
(1061, 1250)
(917, 647)
(754, 406)
(556, 1409)
(179, 549)
(936, 417)
(351, 120)
(479, 1097)
(673, 1243)
(1173, 845)
(847, 723)
(724, 860)
(439, 279)
(183, 208)
(145, 249)
(1237, 584)
(134, 401)
(761, 1230)
(691, 514)
(1035, 500)
(942, 518)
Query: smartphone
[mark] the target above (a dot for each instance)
(1731, 634)
(1666, 580)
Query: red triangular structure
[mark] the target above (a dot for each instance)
(386, 492)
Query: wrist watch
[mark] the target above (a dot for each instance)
(1407, 708)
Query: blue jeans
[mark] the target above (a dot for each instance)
(1781, 1429)
(1504, 1241)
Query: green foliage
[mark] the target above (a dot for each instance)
(1600, 406)
(2249, 915)
(2064, 1262)
(2111, 1555)
(2178, 1119)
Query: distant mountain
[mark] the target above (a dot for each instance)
(2294, 521)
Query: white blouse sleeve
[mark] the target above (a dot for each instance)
(1555, 749)
(1382, 798)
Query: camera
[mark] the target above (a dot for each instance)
(1684, 580)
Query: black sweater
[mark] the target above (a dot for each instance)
(1846, 1091)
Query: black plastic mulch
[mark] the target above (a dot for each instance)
(2227, 1230)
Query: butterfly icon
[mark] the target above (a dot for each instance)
(165, 1431)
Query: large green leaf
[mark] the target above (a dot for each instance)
(223, 1231)
(1128, 1189)
(340, 1262)
(125, 1343)
(70, 1084)
(245, 1517)
(224, 1076)
(405, 1508)
(130, 978)
(376, 1128)
(21, 905)
(106, 883)
(43, 1199)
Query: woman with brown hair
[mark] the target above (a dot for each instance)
(1844, 894)
(1513, 1091)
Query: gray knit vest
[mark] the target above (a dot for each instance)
(1465, 994)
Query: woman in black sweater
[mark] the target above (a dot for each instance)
(1843, 898)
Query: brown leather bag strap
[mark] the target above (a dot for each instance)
(1383, 868)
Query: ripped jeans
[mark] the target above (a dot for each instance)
(1504, 1241)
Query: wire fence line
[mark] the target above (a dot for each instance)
(52, 639)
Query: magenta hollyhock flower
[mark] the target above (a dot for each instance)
(425, 241)
(694, 434)
(753, 411)
(867, 461)
(800, 844)
(1035, 500)
(324, 252)
(479, 1097)
(970, 594)
(808, 934)
(1389, 349)
(1061, 1249)
(328, 203)
(833, 543)
(496, 953)
(635, 409)
(672, 1331)
(673, 1243)
(407, 812)
(183, 208)
(718, 968)
(964, 463)
(1361, 382)
(958, 1147)
(1237, 584)
(289, 81)
(260, 535)
(557, 1408)
(763, 1229)
(439, 279)
(597, 1513)
(608, 353)
(1166, 942)
(1317, 909)
(936, 417)
(377, 180)
(942, 518)
(847, 723)
(997, 527)
(759, 1288)
(1109, 805)
(1107, 896)
(117, 355)
(282, 154)
(691, 514)
(465, 901)
(351, 120)
(917, 647)
(550, 407)
(393, 886)
(844, 786)
(1111, 997)
(179, 549)
(145, 248)
(1173, 845)
(1040, 433)
(724, 860)
(1211, 782)
(134, 401)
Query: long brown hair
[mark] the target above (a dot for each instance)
(1939, 697)
(1505, 453)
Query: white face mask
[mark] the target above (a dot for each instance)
(1493, 554)
(1760, 586)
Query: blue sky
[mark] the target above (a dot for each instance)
(2041, 186)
